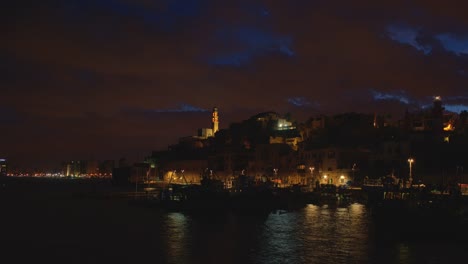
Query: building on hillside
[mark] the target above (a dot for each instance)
(291, 137)
(461, 124)
(285, 132)
(434, 119)
(184, 171)
(266, 119)
(215, 120)
(204, 133)
(311, 126)
(390, 157)
(272, 161)
(230, 162)
(331, 165)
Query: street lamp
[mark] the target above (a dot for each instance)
(353, 169)
(311, 174)
(275, 177)
(410, 161)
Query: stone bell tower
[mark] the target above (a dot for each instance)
(215, 120)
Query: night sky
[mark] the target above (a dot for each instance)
(105, 79)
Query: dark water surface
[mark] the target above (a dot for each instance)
(50, 222)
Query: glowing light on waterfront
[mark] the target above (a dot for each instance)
(449, 127)
(410, 161)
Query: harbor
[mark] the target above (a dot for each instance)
(43, 215)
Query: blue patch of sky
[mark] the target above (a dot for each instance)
(397, 96)
(300, 101)
(182, 108)
(254, 37)
(256, 10)
(407, 35)
(457, 108)
(451, 103)
(286, 49)
(457, 45)
(456, 103)
(250, 42)
(236, 59)
(264, 12)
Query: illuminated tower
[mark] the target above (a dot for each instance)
(215, 120)
(438, 109)
(437, 115)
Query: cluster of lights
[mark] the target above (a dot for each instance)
(35, 175)
(342, 178)
(57, 175)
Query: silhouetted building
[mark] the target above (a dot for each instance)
(204, 133)
(91, 167)
(106, 167)
(3, 167)
(333, 165)
(434, 120)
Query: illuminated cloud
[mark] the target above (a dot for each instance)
(407, 35)
(238, 43)
(249, 43)
(183, 108)
(456, 108)
(456, 104)
(301, 102)
(453, 43)
(396, 96)
(412, 36)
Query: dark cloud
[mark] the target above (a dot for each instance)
(126, 76)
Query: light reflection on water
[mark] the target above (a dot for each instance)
(315, 234)
(40, 228)
(176, 224)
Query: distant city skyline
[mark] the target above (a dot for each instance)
(85, 79)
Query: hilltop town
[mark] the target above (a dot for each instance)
(429, 146)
